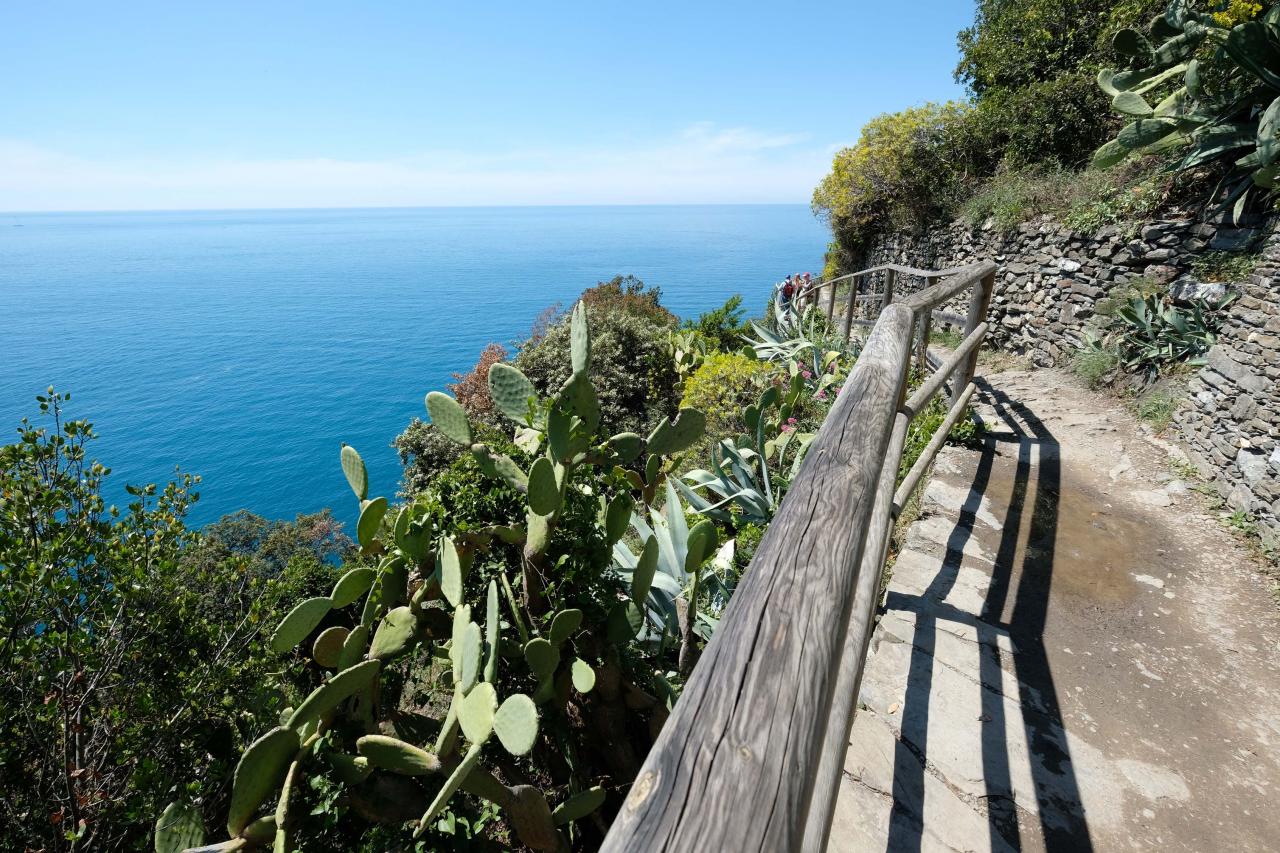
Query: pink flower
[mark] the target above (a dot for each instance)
(791, 421)
(822, 395)
(806, 374)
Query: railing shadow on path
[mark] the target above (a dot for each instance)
(1027, 574)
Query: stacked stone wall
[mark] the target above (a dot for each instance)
(1047, 292)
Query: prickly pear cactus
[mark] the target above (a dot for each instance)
(522, 649)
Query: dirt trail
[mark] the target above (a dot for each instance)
(1073, 655)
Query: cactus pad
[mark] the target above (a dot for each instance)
(337, 690)
(449, 417)
(327, 649)
(178, 828)
(670, 436)
(500, 467)
(450, 787)
(625, 621)
(579, 339)
(450, 572)
(516, 724)
(260, 770)
(397, 633)
(491, 632)
(642, 577)
(353, 648)
(471, 652)
(578, 806)
(300, 622)
(512, 392)
(544, 495)
(397, 756)
(353, 468)
(461, 618)
(627, 446)
(351, 586)
(559, 432)
(476, 711)
(542, 657)
(371, 515)
(564, 624)
(702, 542)
(584, 677)
(618, 516)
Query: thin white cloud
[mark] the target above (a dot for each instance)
(702, 163)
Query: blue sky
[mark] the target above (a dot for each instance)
(169, 105)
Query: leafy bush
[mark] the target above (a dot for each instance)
(471, 389)
(129, 648)
(628, 295)
(722, 387)
(634, 377)
(424, 452)
(723, 327)
(1223, 266)
(1215, 78)
(1093, 362)
(906, 168)
(1158, 405)
(1150, 334)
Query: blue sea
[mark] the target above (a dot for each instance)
(245, 346)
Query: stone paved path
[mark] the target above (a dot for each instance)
(1073, 655)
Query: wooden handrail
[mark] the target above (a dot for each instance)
(750, 757)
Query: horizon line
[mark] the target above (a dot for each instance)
(399, 207)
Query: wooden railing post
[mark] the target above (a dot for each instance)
(926, 329)
(848, 311)
(979, 302)
(831, 304)
(890, 277)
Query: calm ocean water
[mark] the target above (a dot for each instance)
(245, 346)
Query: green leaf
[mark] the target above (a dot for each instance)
(300, 622)
(1145, 131)
(516, 724)
(702, 541)
(371, 515)
(351, 586)
(1268, 125)
(471, 653)
(353, 648)
(1249, 45)
(1131, 43)
(449, 417)
(674, 436)
(353, 468)
(450, 787)
(260, 770)
(626, 446)
(491, 633)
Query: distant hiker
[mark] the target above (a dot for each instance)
(788, 290)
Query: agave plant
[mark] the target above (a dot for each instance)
(1220, 82)
(669, 571)
(1149, 333)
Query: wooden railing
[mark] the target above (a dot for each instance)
(750, 758)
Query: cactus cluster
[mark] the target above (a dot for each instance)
(1219, 89)
(408, 600)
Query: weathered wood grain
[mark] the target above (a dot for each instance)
(735, 766)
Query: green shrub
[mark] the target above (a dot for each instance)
(722, 328)
(424, 452)
(629, 295)
(1223, 266)
(634, 376)
(1093, 363)
(1157, 406)
(721, 388)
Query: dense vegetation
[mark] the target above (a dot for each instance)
(1045, 99)
(484, 667)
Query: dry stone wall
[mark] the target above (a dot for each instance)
(1047, 292)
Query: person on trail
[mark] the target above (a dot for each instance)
(788, 290)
